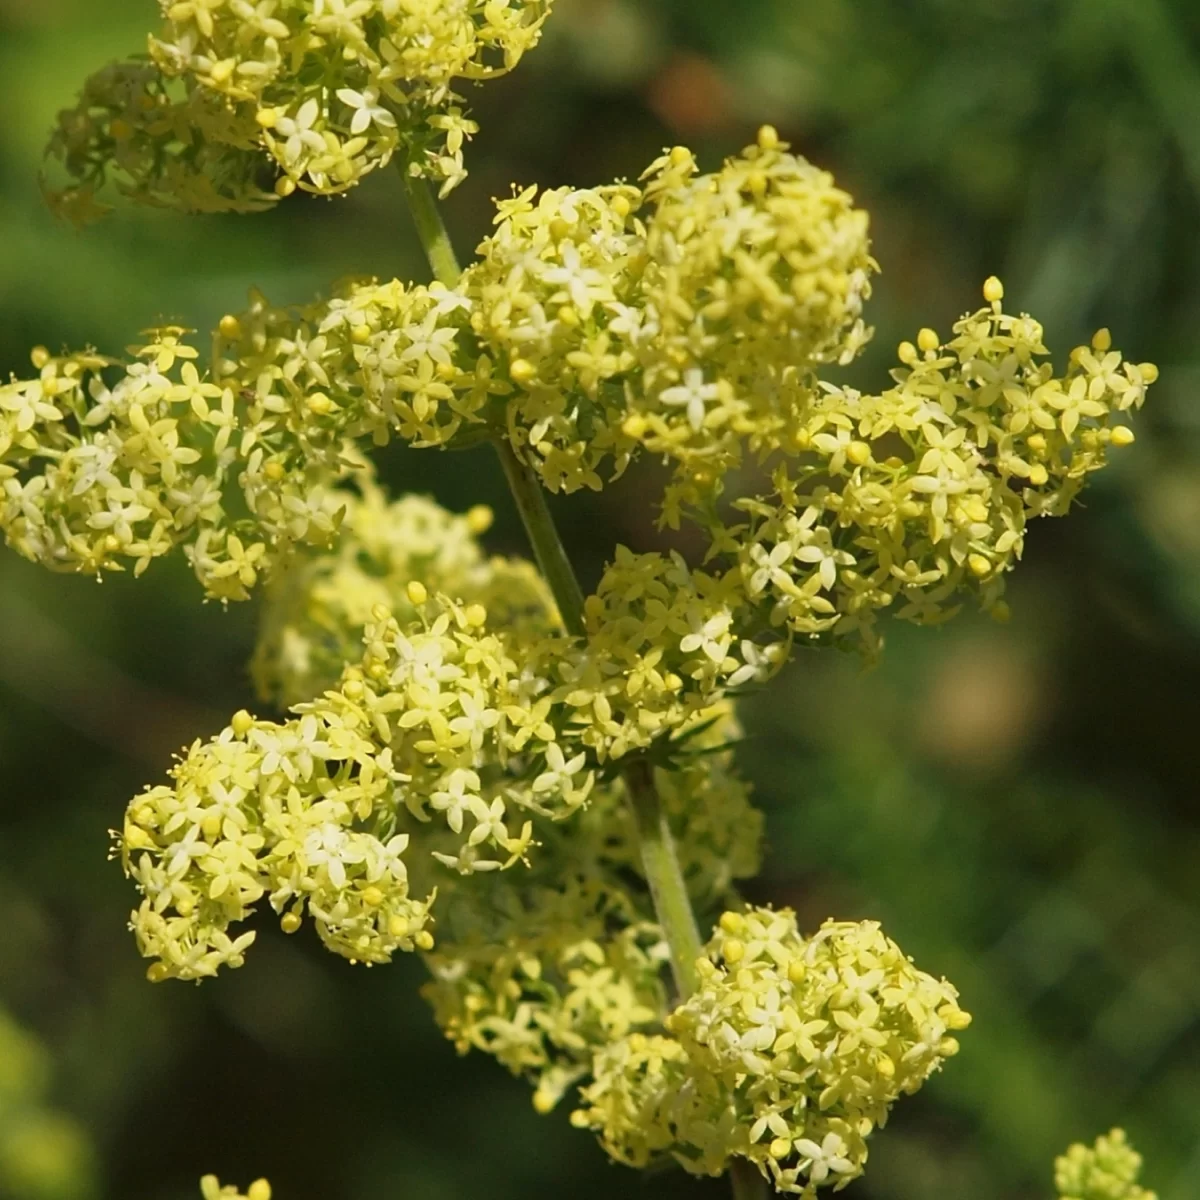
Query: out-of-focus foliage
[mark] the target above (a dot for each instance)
(1015, 804)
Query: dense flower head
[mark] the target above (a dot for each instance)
(915, 498)
(313, 813)
(1106, 1170)
(105, 465)
(319, 93)
(790, 1053)
(684, 318)
(316, 609)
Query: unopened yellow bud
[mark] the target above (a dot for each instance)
(210, 826)
(907, 353)
(479, 519)
(424, 940)
(242, 722)
(1102, 340)
(1037, 442)
(158, 972)
(543, 1102)
(858, 453)
(290, 922)
(885, 1067)
(230, 326)
(928, 340)
(320, 404)
(39, 356)
(521, 370)
(732, 922)
(634, 426)
(680, 156)
(734, 950)
(780, 1147)
(476, 615)
(621, 206)
(993, 290)
(274, 471)
(948, 1047)
(260, 1189)
(796, 970)
(372, 897)
(979, 565)
(1038, 475)
(672, 681)
(957, 1019)
(397, 926)
(1122, 435)
(285, 186)
(768, 138)
(360, 334)
(568, 316)
(1149, 371)
(416, 591)
(266, 117)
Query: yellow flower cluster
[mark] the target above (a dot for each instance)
(211, 1189)
(1107, 1170)
(43, 1153)
(316, 609)
(790, 1053)
(544, 968)
(310, 94)
(908, 500)
(309, 812)
(685, 318)
(94, 477)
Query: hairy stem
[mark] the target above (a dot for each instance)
(659, 860)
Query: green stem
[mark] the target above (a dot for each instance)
(547, 545)
(432, 230)
(661, 864)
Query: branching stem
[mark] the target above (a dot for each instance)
(659, 860)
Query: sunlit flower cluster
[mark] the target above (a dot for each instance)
(1106, 1170)
(912, 499)
(685, 319)
(790, 1053)
(312, 95)
(97, 477)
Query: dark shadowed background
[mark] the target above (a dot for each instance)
(1018, 804)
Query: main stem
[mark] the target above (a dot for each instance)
(660, 862)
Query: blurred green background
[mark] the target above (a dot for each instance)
(1017, 804)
